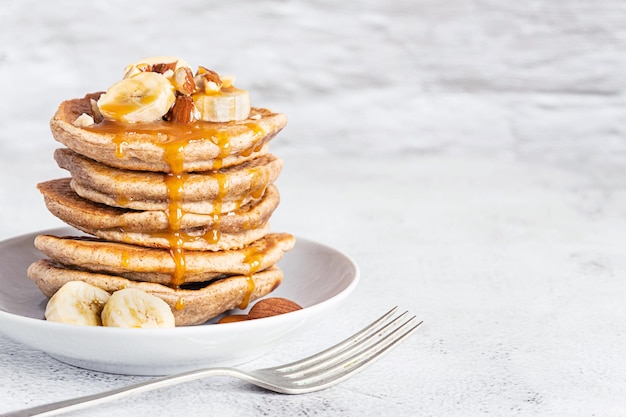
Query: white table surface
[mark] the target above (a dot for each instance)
(469, 156)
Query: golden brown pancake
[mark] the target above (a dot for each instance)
(148, 228)
(205, 193)
(190, 306)
(159, 146)
(156, 265)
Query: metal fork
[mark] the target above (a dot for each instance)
(314, 373)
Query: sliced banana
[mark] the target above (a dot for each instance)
(131, 307)
(223, 106)
(77, 302)
(146, 97)
(140, 66)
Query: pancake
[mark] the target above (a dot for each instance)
(199, 240)
(205, 193)
(190, 306)
(161, 146)
(149, 228)
(156, 265)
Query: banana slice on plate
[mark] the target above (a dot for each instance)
(145, 97)
(77, 302)
(134, 308)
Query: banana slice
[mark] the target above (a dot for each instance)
(146, 97)
(141, 66)
(223, 106)
(131, 307)
(77, 302)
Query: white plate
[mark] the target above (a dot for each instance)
(316, 276)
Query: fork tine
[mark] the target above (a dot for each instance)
(374, 336)
(343, 345)
(338, 372)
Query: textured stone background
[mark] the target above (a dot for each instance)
(538, 79)
(469, 154)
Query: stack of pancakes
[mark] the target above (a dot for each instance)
(180, 211)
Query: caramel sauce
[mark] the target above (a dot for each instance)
(249, 291)
(223, 142)
(260, 181)
(257, 135)
(172, 138)
(120, 198)
(212, 235)
(119, 146)
(175, 185)
(257, 131)
(180, 304)
(178, 254)
(125, 261)
(122, 201)
(123, 108)
(253, 258)
(232, 318)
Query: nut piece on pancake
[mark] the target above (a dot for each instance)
(172, 177)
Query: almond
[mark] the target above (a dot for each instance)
(95, 110)
(162, 68)
(269, 307)
(83, 120)
(183, 81)
(183, 111)
(208, 80)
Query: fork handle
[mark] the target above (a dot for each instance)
(78, 403)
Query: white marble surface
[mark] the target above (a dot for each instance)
(469, 155)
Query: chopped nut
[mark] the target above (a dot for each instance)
(167, 69)
(183, 81)
(83, 120)
(207, 80)
(95, 110)
(183, 111)
(162, 68)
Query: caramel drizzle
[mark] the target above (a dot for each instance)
(180, 304)
(213, 234)
(120, 143)
(254, 259)
(125, 261)
(175, 138)
(173, 154)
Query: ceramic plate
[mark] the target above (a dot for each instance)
(316, 276)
